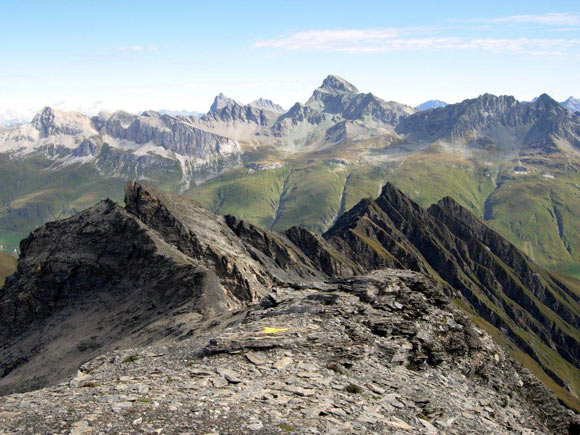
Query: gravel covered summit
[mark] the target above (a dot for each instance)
(372, 354)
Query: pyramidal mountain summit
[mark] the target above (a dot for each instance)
(160, 311)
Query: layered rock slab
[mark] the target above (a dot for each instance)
(377, 353)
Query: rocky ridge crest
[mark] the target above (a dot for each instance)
(239, 320)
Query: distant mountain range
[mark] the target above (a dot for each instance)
(262, 103)
(431, 104)
(266, 164)
(572, 104)
(180, 113)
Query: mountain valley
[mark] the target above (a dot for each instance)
(514, 164)
(491, 186)
(280, 218)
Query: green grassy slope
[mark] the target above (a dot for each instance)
(539, 214)
(312, 196)
(427, 178)
(7, 266)
(306, 194)
(311, 193)
(248, 195)
(31, 194)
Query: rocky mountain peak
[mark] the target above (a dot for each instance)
(571, 104)
(396, 198)
(44, 119)
(546, 102)
(491, 101)
(336, 84)
(221, 102)
(431, 104)
(151, 114)
(229, 111)
(49, 121)
(263, 103)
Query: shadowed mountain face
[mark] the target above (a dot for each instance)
(163, 267)
(538, 313)
(113, 275)
(491, 121)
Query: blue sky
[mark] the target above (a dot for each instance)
(138, 55)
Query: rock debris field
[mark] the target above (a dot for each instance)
(379, 353)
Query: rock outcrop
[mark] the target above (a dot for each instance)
(158, 255)
(451, 244)
(183, 320)
(379, 353)
(264, 103)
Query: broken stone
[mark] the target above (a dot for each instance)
(256, 358)
(282, 363)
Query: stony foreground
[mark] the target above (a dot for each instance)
(380, 353)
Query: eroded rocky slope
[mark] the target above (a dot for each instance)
(538, 313)
(100, 278)
(183, 320)
(377, 353)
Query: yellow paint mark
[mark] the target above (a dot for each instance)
(274, 330)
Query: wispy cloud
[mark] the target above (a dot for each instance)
(393, 40)
(137, 48)
(550, 19)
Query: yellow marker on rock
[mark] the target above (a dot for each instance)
(274, 330)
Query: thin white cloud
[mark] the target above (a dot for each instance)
(137, 48)
(393, 40)
(325, 38)
(550, 19)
